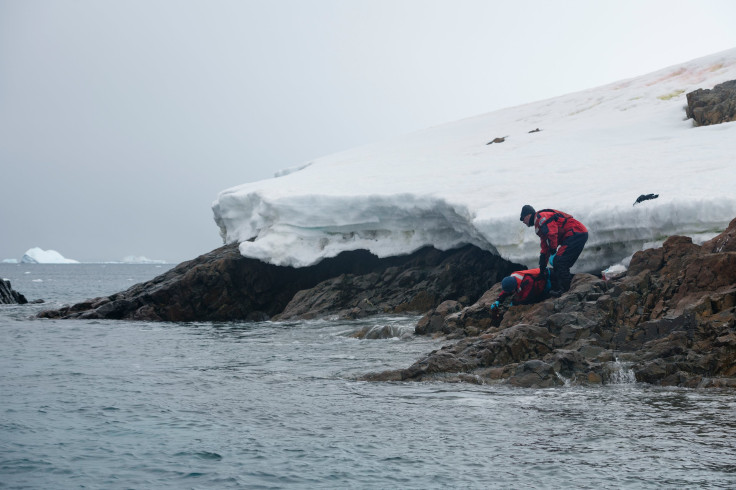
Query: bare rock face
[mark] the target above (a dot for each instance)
(225, 286)
(8, 296)
(670, 321)
(412, 284)
(714, 106)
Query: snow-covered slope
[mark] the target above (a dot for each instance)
(595, 153)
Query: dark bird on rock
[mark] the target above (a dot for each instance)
(645, 197)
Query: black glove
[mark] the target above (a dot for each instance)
(542, 261)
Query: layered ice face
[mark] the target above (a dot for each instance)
(595, 152)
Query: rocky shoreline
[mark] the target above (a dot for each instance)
(671, 321)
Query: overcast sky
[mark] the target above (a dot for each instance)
(120, 121)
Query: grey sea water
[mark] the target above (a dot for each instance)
(119, 404)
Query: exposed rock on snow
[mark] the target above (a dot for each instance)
(714, 106)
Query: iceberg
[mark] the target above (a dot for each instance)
(39, 256)
(139, 259)
(590, 154)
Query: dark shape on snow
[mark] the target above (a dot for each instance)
(535, 130)
(497, 140)
(645, 197)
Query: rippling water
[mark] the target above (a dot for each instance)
(117, 404)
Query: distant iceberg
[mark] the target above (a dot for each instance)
(139, 259)
(39, 256)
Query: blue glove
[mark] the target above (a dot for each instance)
(495, 305)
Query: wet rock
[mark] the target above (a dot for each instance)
(8, 296)
(433, 321)
(535, 374)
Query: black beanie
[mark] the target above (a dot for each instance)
(527, 209)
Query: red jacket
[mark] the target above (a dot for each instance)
(553, 227)
(530, 286)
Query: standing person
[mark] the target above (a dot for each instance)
(562, 236)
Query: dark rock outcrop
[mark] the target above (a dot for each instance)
(714, 106)
(414, 284)
(225, 286)
(671, 320)
(8, 296)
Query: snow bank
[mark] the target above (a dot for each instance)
(597, 151)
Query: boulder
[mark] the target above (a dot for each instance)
(535, 374)
(715, 106)
(8, 296)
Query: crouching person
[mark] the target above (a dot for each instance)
(521, 288)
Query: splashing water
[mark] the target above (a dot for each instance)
(621, 373)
